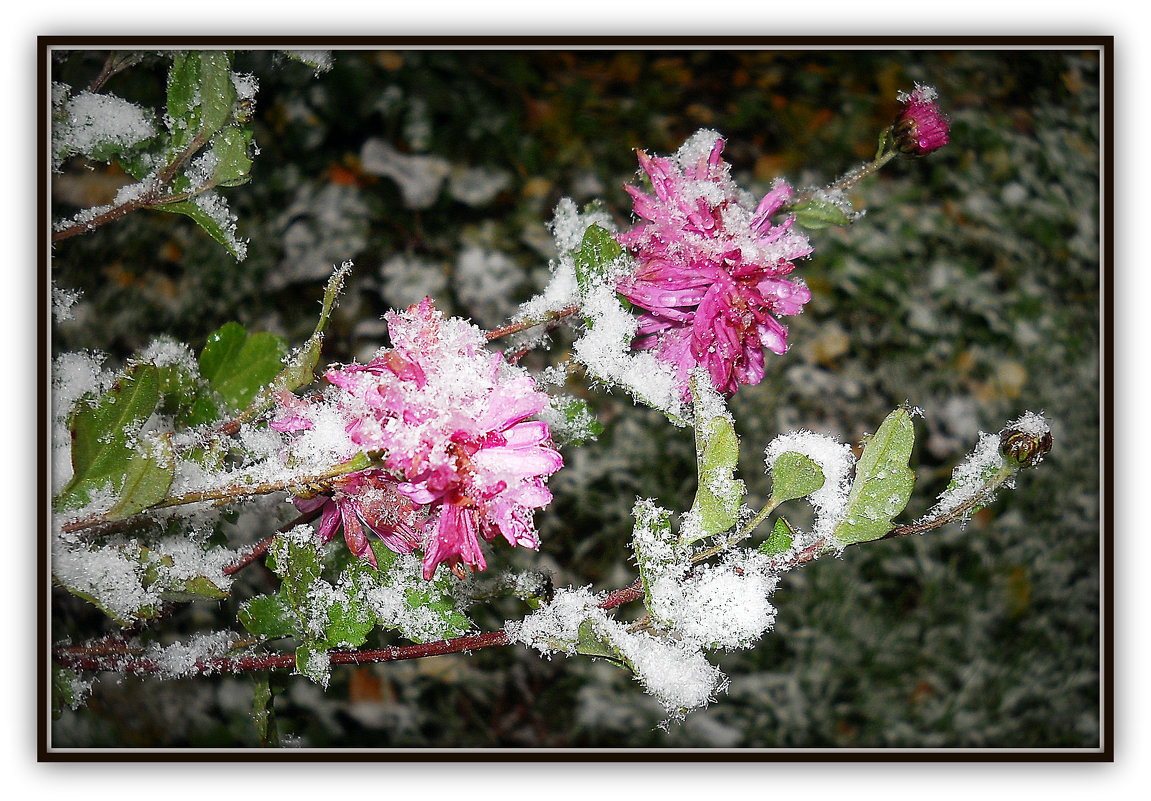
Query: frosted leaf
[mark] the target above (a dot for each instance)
(718, 606)
(74, 374)
(555, 626)
(114, 577)
(970, 476)
(319, 60)
(568, 227)
(676, 673)
(216, 208)
(166, 352)
(836, 461)
(605, 349)
(88, 122)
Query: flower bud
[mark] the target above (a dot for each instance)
(1025, 448)
(921, 127)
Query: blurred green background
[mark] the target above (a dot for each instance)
(970, 289)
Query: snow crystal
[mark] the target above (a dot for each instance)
(319, 60)
(180, 658)
(580, 427)
(167, 352)
(568, 227)
(246, 86)
(718, 606)
(89, 121)
(836, 461)
(62, 302)
(605, 349)
(555, 627)
(676, 673)
(697, 147)
(388, 600)
(970, 475)
(112, 576)
(1031, 423)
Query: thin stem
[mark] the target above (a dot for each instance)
(980, 498)
(743, 534)
(108, 656)
(846, 181)
(229, 493)
(524, 325)
(152, 197)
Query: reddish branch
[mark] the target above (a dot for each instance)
(81, 658)
(523, 325)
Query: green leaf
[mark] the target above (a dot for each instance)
(780, 540)
(590, 643)
(200, 96)
(103, 433)
(655, 546)
(312, 661)
(579, 424)
(817, 214)
(883, 481)
(270, 616)
(186, 397)
(214, 225)
(147, 478)
(719, 494)
(69, 689)
(232, 149)
(594, 258)
(238, 364)
(793, 476)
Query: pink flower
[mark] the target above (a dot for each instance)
(451, 421)
(366, 502)
(710, 268)
(920, 127)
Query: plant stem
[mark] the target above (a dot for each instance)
(228, 493)
(846, 181)
(99, 656)
(524, 325)
(152, 197)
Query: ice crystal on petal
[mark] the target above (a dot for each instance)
(921, 127)
(452, 422)
(710, 267)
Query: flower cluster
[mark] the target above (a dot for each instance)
(710, 267)
(462, 458)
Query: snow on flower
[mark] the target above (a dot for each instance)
(921, 127)
(366, 502)
(452, 422)
(711, 267)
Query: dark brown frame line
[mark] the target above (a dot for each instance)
(1105, 753)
